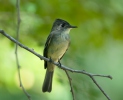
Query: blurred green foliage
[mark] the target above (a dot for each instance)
(96, 46)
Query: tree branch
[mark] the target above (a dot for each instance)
(70, 79)
(16, 48)
(60, 65)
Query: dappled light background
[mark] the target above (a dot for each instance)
(96, 46)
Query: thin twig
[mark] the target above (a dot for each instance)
(99, 87)
(59, 65)
(90, 75)
(16, 48)
(70, 84)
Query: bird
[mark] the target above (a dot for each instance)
(55, 47)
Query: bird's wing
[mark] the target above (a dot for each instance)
(45, 52)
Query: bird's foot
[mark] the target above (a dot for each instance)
(59, 62)
(50, 60)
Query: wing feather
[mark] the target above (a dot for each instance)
(45, 52)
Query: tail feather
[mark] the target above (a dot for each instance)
(47, 85)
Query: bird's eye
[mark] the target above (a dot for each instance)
(63, 25)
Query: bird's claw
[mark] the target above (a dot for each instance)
(50, 59)
(59, 62)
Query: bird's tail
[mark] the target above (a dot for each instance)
(47, 85)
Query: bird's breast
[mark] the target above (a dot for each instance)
(58, 46)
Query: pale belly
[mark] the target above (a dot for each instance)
(58, 48)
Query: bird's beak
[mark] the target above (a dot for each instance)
(72, 26)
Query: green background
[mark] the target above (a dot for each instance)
(96, 46)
